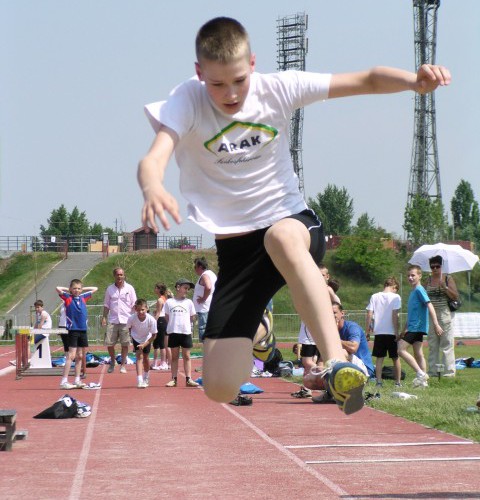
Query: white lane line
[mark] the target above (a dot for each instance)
(385, 460)
(376, 445)
(329, 484)
(79, 476)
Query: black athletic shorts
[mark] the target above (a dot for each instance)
(77, 338)
(159, 342)
(185, 341)
(412, 337)
(309, 351)
(383, 344)
(145, 350)
(248, 279)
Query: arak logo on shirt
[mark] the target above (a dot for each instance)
(241, 137)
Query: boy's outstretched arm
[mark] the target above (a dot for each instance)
(385, 80)
(150, 178)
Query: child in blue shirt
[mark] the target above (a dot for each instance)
(419, 306)
(75, 299)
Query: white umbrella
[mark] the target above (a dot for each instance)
(455, 258)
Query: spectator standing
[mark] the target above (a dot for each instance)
(75, 299)
(441, 348)
(161, 354)
(419, 306)
(203, 293)
(180, 314)
(118, 305)
(383, 313)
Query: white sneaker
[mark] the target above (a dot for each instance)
(156, 367)
(146, 381)
(142, 385)
(67, 385)
(420, 381)
(163, 367)
(123, 370)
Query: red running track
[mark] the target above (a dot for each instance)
(175, 443)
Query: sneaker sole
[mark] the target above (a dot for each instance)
(348, 389)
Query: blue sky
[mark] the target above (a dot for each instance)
(75, 76)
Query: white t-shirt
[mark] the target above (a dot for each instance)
(47, 325)
(236, 171)
(383, 304)
(179, 312)
(199, 289)
(141, 331)
(62, 319)
(304, 336)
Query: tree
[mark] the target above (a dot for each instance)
(425, 220)
(63, 223)
(365, 258)
(334, 208)
(366, 227)
(465, 212)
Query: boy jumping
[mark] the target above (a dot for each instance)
(229, 129)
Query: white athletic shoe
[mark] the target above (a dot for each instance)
(420, 381)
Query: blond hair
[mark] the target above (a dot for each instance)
(222, 39)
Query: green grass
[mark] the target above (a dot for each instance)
(19, 274)
(443, 405)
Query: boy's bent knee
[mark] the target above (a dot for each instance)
(220, 392)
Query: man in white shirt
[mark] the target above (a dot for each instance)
(203, 292)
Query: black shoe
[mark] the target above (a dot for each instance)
(242, 400)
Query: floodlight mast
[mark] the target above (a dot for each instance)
(425, 170)
(292, 47)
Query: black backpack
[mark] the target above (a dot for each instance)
(272, 365)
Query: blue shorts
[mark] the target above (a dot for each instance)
(248, 279)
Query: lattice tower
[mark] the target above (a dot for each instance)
(425, 171)
(292, 47)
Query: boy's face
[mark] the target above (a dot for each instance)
(227, 84)
(325, 274)
(182, 291)
(414, 277)
(38, 309)
(76, 290)
(141, 312)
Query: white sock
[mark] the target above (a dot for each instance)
(139, 379)
(77, 380)
(420, 373)
(64, 381)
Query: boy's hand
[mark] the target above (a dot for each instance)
(158, 201)
(430, 76)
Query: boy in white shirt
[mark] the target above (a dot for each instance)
(229, 129)
(180, 314)
(143, 330)
(383, 321)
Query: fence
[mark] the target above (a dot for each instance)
(286, 326)
(93, 243)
